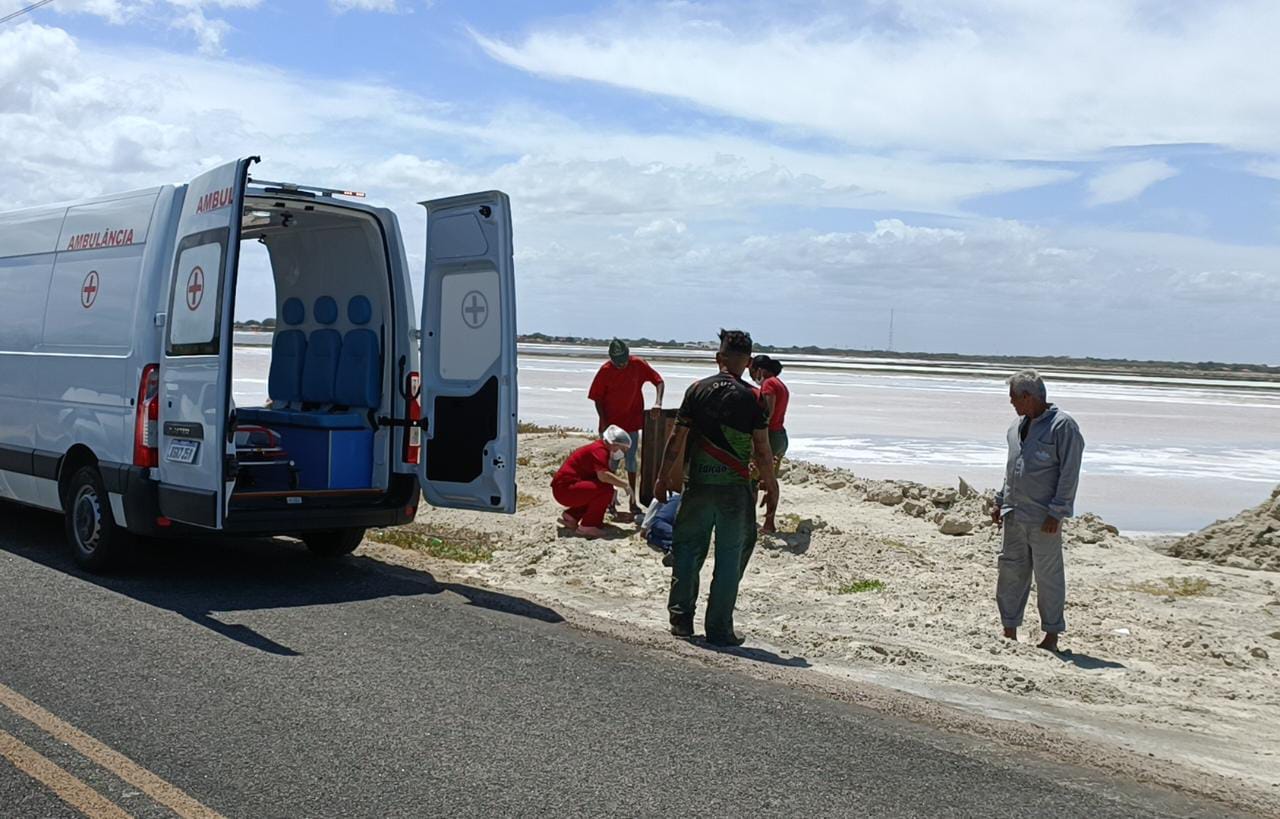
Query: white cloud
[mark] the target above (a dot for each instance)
(696, 171)
(986, 79)
(208, 32)
(76, 123)
(114, 11)
(1227, 286)
(979, 285)
(341, 6)
(1265, 168)
(660, 228)
(378, 6)
(675, 217)
(1120, 183)
(562, 166)
(185, 15)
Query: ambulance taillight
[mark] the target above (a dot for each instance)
(413, 408)
(147, 418)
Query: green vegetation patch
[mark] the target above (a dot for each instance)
(1173, 586)
(862, 585)
(526, 501)
(438, 540)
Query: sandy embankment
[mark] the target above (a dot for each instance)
(1174, 659)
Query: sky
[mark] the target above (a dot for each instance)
(1023, 178)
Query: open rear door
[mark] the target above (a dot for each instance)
(468, 351)
(195, 371)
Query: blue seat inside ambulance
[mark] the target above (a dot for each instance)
(288, 350)
(323, 400)
(358, 383)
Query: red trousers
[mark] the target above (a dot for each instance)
(587, 500)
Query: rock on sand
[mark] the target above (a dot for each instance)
(1250, 540)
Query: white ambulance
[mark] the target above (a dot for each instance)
(116, 364)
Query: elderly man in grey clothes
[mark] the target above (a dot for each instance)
(1040, 480)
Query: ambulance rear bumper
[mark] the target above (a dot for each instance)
(395, 507)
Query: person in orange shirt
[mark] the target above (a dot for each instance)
(617, 391)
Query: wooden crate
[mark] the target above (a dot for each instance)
(653, 445)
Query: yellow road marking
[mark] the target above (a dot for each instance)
(119, 764)
(65, 785)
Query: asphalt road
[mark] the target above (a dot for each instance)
(261, 682)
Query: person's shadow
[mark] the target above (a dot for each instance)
(797, 543)
(611, 532)
(1085, 661)
(202, 579)
(759, 655)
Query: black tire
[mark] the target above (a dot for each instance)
(96, 542)
(333, 542)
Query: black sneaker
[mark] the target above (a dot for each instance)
(682, 625)
(668, 560)
(733, 638)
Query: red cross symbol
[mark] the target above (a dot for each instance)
(195, 288)
(89, 290)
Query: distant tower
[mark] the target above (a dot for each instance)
(890, 329)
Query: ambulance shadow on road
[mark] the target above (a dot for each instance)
(197, 578)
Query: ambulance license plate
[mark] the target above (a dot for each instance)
(182, 452)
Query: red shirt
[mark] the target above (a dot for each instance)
(782, 396)
(583, 464)
(618, 390)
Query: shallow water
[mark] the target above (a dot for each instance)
(1157, 459)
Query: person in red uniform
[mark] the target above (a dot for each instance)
(618, 393)
(774, 397)
(584, 483)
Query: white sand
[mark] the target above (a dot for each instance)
(1192, 680)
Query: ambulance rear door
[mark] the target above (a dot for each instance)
(468, 355)
(195, 368)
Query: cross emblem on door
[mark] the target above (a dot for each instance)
(89, 290)
(195, 288)
(475, 309)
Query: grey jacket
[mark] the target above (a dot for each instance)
(1043, 471)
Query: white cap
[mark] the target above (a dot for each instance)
(615, 435)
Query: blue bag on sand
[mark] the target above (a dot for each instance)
(658, 520)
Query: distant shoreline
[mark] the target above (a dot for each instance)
(1157, 373)
(925, 367)
(1102, 365)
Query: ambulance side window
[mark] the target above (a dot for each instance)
(195, 305)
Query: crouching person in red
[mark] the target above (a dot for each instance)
(585, 483)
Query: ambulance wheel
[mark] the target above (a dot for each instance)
(334, 542)
(96, 542)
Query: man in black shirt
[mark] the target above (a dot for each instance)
(719, 428)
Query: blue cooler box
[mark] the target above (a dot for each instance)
(330, 458)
